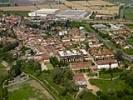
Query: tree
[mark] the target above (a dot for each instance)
(118, 55)
(54, 61)
(58, 75)
(15, 70)
(110, 70)
(31, 67)
(128, 77)
(68, 74)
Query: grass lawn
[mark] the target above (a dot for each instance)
(26, 92)
(107, 75)
(105, 86)
(50, 66)
(128, 51)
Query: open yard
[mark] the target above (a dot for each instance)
(107, 85)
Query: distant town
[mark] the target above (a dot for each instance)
(66, 50)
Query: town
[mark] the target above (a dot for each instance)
(67, 54)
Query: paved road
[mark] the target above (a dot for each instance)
(111, 21)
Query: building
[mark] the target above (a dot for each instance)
(80, 80)
(104, 16)
(100, 7)
(103, 57)
(73, 55)
(106, 64)
(78, 66)
(101, 53)
(43, 13)
(70, 56)
(94, 42)
(73, 14)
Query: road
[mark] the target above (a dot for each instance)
(94, 88)
(111, 21)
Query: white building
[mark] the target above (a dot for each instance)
(43, 12)
(73, 14)
(106, 64)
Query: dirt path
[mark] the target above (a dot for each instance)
(38, 86)
(90, 86)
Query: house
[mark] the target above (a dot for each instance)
(103, 57)
(99, 26)
(80, 80)
(94, 42)
(78, 66)
(101, 53)
(104, 16)
(106, 64)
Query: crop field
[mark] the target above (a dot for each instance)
(4, 1)
(30, 90)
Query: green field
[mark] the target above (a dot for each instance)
(107, 85)
(26, 92)
(128, 13)
(4, 1)
(106, 75)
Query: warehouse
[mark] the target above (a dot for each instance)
(43, 12)
(73, 14)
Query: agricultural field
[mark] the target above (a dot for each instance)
(4, 1)
(128, 13)
(121, 1)
(28, 91)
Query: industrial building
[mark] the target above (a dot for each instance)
(43, 12)
(73, 14)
